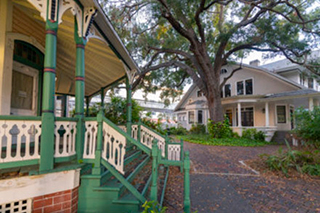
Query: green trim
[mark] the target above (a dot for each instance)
(145, 189)
(124, 182)
(164, 187)
(154, 174)
(66, 119)
(88, 160)
(186, 200)
(90, 119)
(59, 169)
(171, 162)
(108, 85)
(20, 118)
(8, 165)
(128, 137)
(65, 159)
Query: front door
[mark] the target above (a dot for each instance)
(24, 93)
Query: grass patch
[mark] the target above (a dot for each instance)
(209, 140)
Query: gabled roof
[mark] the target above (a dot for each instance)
(263, 70)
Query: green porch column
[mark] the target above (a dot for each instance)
(79, 108)
(129, 106)
(48, 98)
(186, 200)
(154, 175)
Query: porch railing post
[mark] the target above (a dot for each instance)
(154, 185)
(97, 163)
(186, 201)
(139, 131)
(79, 90)
(181, 154)
(167, 140)
(48, 98)
(129, 107)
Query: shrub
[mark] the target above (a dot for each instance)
(220, 129)
(249, 133)
(307, 126)
(198, 129)
(302, 161)
(178, 131)
(153, 207)
(259, 136)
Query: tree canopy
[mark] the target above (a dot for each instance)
(177, 42)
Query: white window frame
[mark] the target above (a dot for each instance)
(254, 114)
(224, 92)
(286, 112)
(26, 70)
(244, 86)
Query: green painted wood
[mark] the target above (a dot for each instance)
(88, 160)
(65, 159)
(154, 185)
(90, 119)
(129, 107)
(8, 165)
(66, 119)
(128, 185)
(138, 169)
(128, 137)
(79, 89)
(48, 98)
(68, 167)
(145, 189)
(97, 163)
(164, 186)
(170, 162)
(20, 118)
(181, 154)
(186, 201)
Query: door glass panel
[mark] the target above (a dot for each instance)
(22, 91)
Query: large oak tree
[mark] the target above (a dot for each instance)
(179, 40)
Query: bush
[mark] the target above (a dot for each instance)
(302, 161)
(259, 136)
(153, 207)
(178, 131)
(220, 129)
(249, 133)
(198, 129)
(307, 126)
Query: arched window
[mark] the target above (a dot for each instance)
(27, 54)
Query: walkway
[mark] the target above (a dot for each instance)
(220, 183)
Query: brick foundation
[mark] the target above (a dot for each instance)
(62, 202)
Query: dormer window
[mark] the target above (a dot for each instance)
(224, 71)
(245, 87)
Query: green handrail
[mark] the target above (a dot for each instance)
(20, 118)
(66, 119)
(127, 136)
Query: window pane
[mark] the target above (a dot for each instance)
(200, 116)
(191, 117)
(281, 114)
(240, 88)
(249, 88)
(227, 90)
(22, 91)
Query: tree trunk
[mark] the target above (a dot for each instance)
(214, 103)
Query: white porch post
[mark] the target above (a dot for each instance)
(311, 103)
(239, 114)
(267, 113)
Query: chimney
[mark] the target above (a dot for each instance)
(255, 63)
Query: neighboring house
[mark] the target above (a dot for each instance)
(252, 97)
(51, 48)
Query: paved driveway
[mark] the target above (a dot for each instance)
(220, 183)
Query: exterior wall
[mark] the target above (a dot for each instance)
(64, 201)
(263, 83)
(293, 76)
(46, 190)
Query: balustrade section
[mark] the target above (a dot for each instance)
(19, 140)
(134, 132)
(113, 147)
(147, 136)
(174, 152)
(65, 138)
(90, 139)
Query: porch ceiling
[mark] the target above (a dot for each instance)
(102, 65)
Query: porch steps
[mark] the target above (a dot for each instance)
(107, 194)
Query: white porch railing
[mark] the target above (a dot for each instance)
(90, 139)
(147, 136)
(19, 140)
(113, 147)
(174, 152)
(65, 138)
